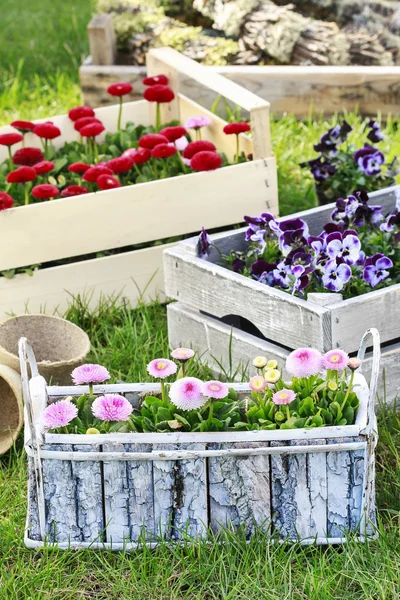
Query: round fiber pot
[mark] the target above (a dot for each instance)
(11, 411)
(59, 345)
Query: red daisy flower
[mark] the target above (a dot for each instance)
(21, 175)
(92, 129)
(141, 156)
(27, 156)
(47, 131)
(199, 146)
(157, 79)
(94, 173)
(45, 191)
(122, 164)
(163, 151)
(23, 126)
(150, 140)
(6, 201)
(206, 161)
(79, 112)
(173, 133)
(119, 89)
(78, 167)
(107, 182)
(158, 93)
(44, 167)
(9, 139)
(74, 190)
(79, 123)
(236, 128)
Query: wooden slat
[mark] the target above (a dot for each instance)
(289, 321)
(148, 211)
(102, 42)
(136, 275)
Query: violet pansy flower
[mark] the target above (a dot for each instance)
(335, 275)
(346, 246)
(203, 244)
(375, 269)
(369, 160)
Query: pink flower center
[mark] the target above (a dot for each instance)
(161, 365)
(303, 356)
(189, 387)
(215, 387)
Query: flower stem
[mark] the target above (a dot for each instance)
(287, 411)
(10, 158)
(165, 169)
(95, 150)
(210, 414)
(137, 169)
(23, 140)
(237, 148)
(65, 429)
(26, 194)
(350, 387)
(181, 161)
(163, 390)
(158, 117)
(46, 145)
(91, 395)
(119, 114)
(155, 170)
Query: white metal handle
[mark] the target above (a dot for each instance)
(172, 63)
(373, 385)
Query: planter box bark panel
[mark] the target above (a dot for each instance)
(212, 339)
(307, 484)
(281, 318)
(57, 230)
(289, 89)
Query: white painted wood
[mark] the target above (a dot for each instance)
(189, 198)
(289, 89)
(136, 275)
(324, 299)
(128, 495)
(164, 472)
(102, 42)
(239, 489)
(339, 490)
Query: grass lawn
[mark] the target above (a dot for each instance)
(43, 43)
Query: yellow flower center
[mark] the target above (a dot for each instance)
(215, 387)
(335, 358)
(161, 365)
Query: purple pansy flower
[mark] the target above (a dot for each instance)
(375, 269)
(346, 246)
(336, 274)
(291, 232)
(203, 244)
(301, 279)
(282, 274)
(238, 265)
(375, 135)
(259, 238)
(321, 169)
(262, 271)
(369, 160)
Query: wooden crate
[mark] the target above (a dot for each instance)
(139, 214)
(288, 89)
(208, 292)
(119, 491)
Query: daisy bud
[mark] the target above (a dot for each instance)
(332, 386)
(272, 375)
(354, 363)
(92, 431)
(260, 362)
(272, 364)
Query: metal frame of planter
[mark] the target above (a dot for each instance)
(120, 491)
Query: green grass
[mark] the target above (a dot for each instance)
(125, 340)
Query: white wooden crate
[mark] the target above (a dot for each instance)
(123, 490)
(72, 227)
(206, 290)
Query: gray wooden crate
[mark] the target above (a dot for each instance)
(122, 490)
(276, 317)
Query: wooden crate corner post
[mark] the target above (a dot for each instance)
(102, 42)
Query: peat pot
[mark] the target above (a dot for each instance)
(121, 490)
(60, 346)
(11, 411)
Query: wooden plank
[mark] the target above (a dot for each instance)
(128, 495)
(63, 223)
(164, 486)
(239, 490)
(94, 81)
(339, 491)
(73, 497)
(102, 42)
(225, 293)
(288, 89)
(136, 275)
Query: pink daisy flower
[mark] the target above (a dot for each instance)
(161, 368)
(60, 414)
(354, 363)
(215, 389)
(187, 393)
(336, 360)
(257, 383)
(182, 354)
(283, 396)
(197, 122)
(89, 374)
(111, 407)
(304, 362)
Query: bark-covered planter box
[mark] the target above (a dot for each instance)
(215, 302)
(62, 229)
(124, 490)
(289, 89)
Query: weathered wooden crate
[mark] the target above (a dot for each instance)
(124, 490)
(139, 214)
(269, 320)
(289, 89)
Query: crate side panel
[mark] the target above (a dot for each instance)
(164, 472)
(220, 292)
(239, 489)
(128, 495)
